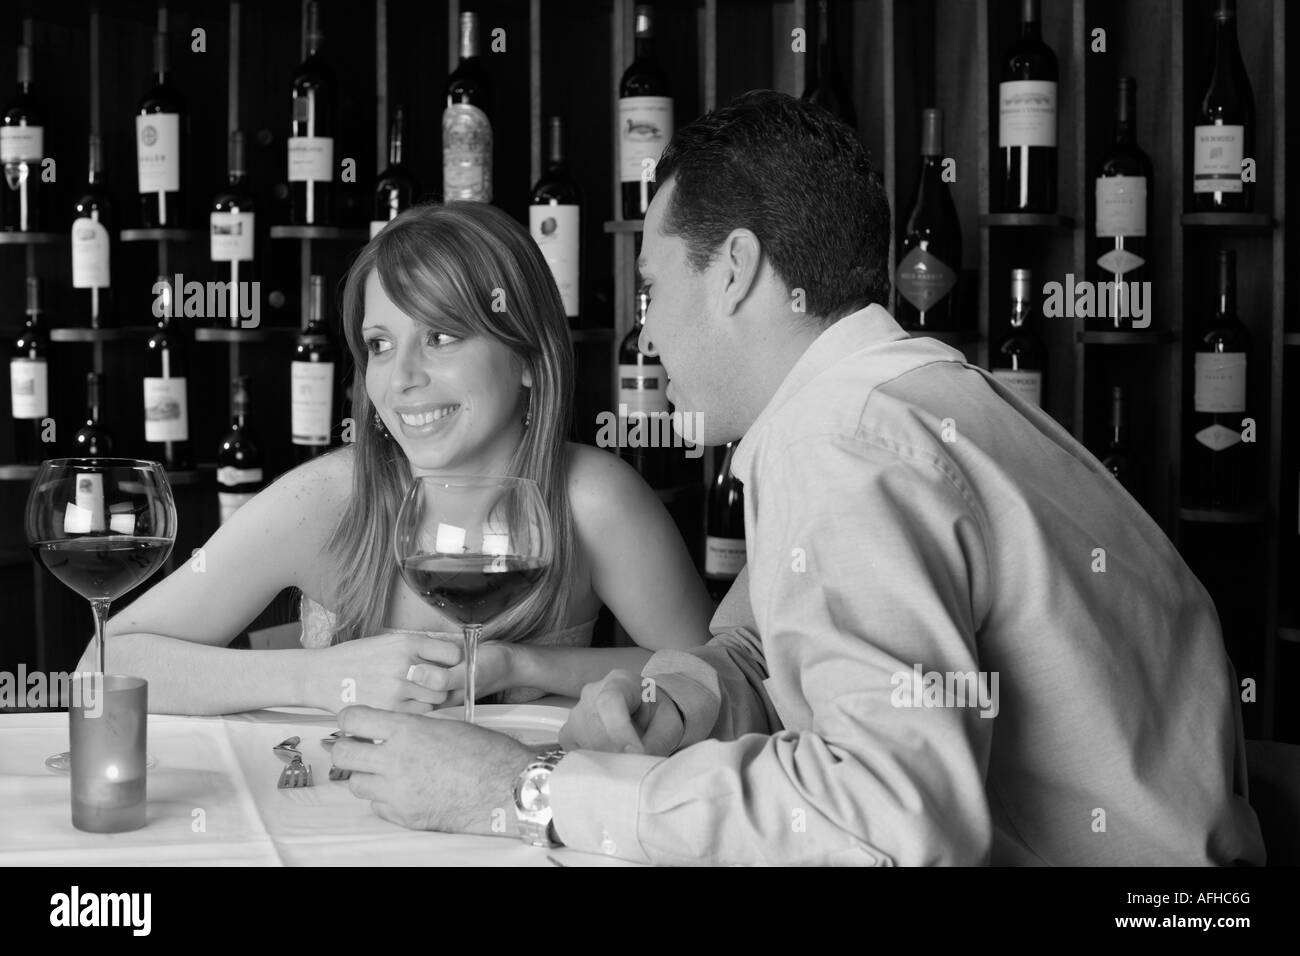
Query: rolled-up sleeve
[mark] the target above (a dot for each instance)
(857, 589)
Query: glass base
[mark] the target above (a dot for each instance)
(62, 763)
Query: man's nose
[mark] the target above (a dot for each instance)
(644, 344)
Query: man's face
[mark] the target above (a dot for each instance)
(681, 326)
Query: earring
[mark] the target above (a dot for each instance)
(528, 414)
(379, 426)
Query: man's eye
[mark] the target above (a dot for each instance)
(375, 346)
(438, 339)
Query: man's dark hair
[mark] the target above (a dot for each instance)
(796, 177)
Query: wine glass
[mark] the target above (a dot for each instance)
(101, 526)
(473, 547)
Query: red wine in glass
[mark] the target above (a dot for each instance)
(472, 587)
(101, 526)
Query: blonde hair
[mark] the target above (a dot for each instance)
(447, 266)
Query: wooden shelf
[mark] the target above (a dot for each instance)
(1025, 220)
(1223, 516)
(1238, 221)
(330, 233)
(625, 225)
(1291, 338)
(958, 338)
(244, 336)
(118, 334)
(190, 476)
(1289, 634)
(18, 472)
(31, 238)
(678, 492)
(1135, 337)
(162, 235)
(591, 335)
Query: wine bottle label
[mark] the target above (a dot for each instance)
(1024, 383)
(1027, 113)
(1121, 206)
(466, 154)
(311, 159)
(231, 236)
(645, 124)
(641, 389)
(158, 152)
(1220, 382)
(922, 279)
(19, 144)
(312, 390)
(230, 476)
(1216, 159)
(376, 225)
(29, 388)
(90, 252)
(555, 229)
(723, 557)
(229, 503)
(166, 414)
(1218, 437)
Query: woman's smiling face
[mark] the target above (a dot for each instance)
(453, 403)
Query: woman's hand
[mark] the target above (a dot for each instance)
(495, 670)
(381, 671)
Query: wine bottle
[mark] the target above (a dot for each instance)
(1027, 119)
(29, 381)
(158, 145)
(166, 399)
(1123, 204)
(1116, 460)
(826, 88)
(930, 261)
(645, 119)
(1224, 132)
(311, 132)
(467, 122)
(1219, 459)
(239, 462)
(312, 381)
(231, 226)
(395, 190)
(724, 537)
(642, 401)
(555, 221)
(1020, 362)
(22, 146)
(93, 439)
(92, 243)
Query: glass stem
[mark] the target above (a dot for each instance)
(472, 634)
(100, 607)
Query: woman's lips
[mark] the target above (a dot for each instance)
(423, 424)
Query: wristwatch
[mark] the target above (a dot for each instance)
(533, 800)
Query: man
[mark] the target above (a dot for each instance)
(957, 639)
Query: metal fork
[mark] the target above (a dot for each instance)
(296, 773)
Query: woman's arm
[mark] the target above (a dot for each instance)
(174, 635)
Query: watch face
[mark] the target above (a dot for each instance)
(534, 795)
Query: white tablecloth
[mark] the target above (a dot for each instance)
(213, 802)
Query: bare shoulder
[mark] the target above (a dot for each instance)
(599, 483)
(309, 497)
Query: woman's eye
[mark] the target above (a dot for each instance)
(375, 346)
(438, 339)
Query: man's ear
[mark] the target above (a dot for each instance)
(743, 256)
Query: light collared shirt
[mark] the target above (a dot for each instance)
(958, 640)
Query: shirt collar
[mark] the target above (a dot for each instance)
(872, 325)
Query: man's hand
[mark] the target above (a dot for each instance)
(432, 774)
(613, 716)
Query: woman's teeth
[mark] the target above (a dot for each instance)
(426, 418)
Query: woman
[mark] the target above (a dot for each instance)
(459, 339)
